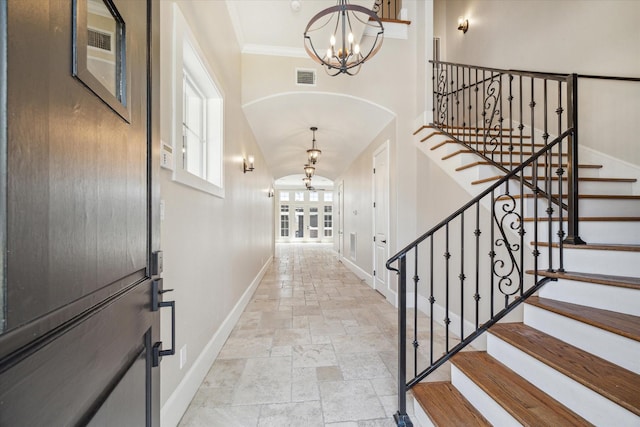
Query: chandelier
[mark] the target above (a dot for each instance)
(338, 51)
(309, 170)
(313, 152)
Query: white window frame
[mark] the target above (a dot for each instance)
(187, 55)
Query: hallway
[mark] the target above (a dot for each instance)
(315, 346)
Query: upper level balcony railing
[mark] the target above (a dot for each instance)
(388, 10)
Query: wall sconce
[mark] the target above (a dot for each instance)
(271, 193)
(463, 24)
(248, 166)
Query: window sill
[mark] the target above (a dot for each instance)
(193, 181)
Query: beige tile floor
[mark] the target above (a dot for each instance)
(316, 346)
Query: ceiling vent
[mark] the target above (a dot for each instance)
(306, 77)
(99, 40)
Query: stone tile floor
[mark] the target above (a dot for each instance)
(316, 346)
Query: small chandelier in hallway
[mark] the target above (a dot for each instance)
(309, 170)
(313, 152)
(339, 52)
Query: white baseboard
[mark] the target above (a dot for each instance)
(177, 404)
(363, 275)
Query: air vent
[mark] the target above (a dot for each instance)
(99, 40)
(306, 77)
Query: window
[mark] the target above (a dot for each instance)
(313, 196)
(284, 196)
(284, 221)
(328, 221)
(328, 196)
(198, 114)
(194, 129)
(299, 196)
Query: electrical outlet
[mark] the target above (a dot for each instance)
(183, 356)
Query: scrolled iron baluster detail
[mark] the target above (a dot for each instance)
(491, 111)
(503, 269)
(442, 97)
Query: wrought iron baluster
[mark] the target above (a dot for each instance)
(415, 343)
(452, 94)
(477, 233)
(462, 277)
(483, 114)
(475, 122)
(521, 117)
(457, 91)
(432, 299)
(492, 252)
(510, 100)
(560, 174)
(469, 107)
(447, 256)
(434, 67)
(521, 189)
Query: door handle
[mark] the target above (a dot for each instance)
(383, 241)
(156, 305)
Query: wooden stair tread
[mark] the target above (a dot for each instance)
(526, 403)
(448, 141)
(446, 406)
(600, 279)
(555, 178)
(432, 134)
(621, 324)
(591, 218)
(485, 163)
(608, 379)
(596, 246)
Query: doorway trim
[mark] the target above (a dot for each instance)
(383, 150)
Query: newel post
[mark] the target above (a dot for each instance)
(401, 417)
(573, 237)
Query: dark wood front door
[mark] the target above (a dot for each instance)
(78, 102)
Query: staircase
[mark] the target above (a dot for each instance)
(574, 359)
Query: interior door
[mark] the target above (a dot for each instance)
(339, 219)
(78, 176)
(381, 218)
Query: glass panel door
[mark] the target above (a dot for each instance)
(313, 223)
(298, 222)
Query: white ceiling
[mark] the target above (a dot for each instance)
(346, 124)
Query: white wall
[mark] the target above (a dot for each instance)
(214, 248)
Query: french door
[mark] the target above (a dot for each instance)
(78, 108)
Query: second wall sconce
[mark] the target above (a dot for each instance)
(463, 24)
(247, 165)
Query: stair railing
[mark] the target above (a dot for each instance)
(476, 259)
(388, 10)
